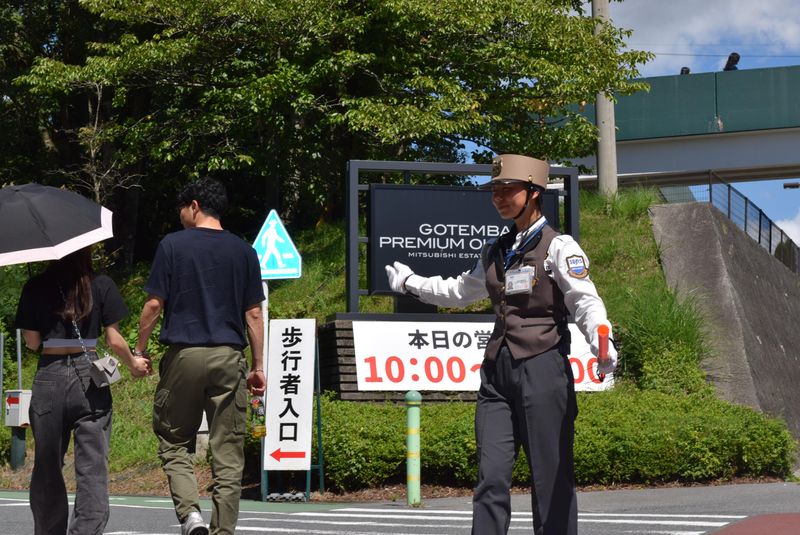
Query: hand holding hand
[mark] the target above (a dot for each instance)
(140, 366)
(398, 274)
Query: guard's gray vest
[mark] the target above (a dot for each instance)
(529, 324)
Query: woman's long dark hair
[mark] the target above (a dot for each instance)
(73, 274)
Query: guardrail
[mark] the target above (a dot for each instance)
(742, 212)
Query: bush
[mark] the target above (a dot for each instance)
(624, 436)
(633, 436)
(364, 443)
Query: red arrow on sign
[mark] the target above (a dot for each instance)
(12, 401)
(278, 454)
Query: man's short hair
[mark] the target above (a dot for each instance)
(209, 193)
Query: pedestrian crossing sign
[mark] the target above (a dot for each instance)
(277, 255)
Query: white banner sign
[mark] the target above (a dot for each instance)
(400, 355)
(290, 393)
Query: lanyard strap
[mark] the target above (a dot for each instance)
(533, 232)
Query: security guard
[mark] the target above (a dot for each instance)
(535, 278)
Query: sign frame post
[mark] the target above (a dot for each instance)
(354, 240)
(316, 393)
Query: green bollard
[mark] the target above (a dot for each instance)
(413, 401)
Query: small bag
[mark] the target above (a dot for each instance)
(105, 371)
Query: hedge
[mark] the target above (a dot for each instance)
(628, 436)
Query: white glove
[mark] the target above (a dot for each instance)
(610, 364)
(398, 274)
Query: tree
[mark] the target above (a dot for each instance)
(275, 97)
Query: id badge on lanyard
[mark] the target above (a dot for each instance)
(520, 281)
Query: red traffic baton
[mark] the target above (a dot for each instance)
(602, 347)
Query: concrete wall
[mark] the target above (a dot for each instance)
(751, 303)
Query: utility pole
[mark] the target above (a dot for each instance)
(606, 125)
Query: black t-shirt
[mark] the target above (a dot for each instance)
(41, 298)
(207, 279)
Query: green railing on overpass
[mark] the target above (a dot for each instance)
(707, 103)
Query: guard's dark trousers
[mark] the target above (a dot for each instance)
(529, 402)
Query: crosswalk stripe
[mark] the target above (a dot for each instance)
(514, 518)
(690, 523)
(414, 512)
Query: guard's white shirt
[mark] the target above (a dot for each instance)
(580, 294)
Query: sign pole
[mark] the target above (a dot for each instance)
(2, 360)
(19, 359)
(17, 454)
(278, 259)
(317, 394)
(265, 316)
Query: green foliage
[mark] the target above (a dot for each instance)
(624, 436)
(650, 437)
(277, 96)
(133, 442)
(11, 280)
(364, 443)
(661, 337)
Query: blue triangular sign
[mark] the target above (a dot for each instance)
(277, 254)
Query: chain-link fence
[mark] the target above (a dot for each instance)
(742, 212)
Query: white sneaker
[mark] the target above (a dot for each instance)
(194, 525)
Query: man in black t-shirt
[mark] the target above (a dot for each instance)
(208, 283)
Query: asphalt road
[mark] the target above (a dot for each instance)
(664, 511)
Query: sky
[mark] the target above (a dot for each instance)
(700, 34)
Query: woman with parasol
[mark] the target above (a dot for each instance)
(61, 313)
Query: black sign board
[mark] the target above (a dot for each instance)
(436, 230)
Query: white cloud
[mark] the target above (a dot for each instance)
(709, 30)
(791, 227)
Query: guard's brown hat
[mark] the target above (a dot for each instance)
(512, 168)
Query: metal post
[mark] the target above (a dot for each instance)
(746, 202)
(606, 125)
(317, 395)
(769, 238)
(19, 359)
(352, 238)
(413, 402)
(729, 201)
(572, 205)
(264, 353)
(17, 453)
(320, 449)
(2, 361)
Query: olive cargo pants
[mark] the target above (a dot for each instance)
(194, 380)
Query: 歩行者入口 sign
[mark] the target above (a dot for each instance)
(436, 230)
(290, 391)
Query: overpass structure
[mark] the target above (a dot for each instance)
(741, 125)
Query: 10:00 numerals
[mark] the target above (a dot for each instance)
(436, 370)
(454, 370)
